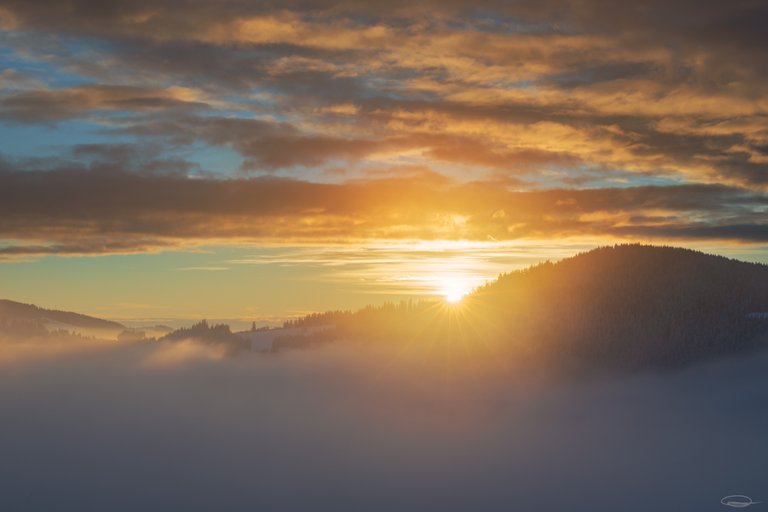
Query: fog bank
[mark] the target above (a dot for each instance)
(180, 427)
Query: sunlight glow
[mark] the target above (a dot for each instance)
(454, 289)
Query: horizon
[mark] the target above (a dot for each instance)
(425, 289)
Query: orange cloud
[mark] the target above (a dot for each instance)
(512, 108)
(91, 211)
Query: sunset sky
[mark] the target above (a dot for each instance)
(245, 160)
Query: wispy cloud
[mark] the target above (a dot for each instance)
(413, 267)
(203, 269)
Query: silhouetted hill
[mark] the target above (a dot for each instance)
(633, 305)
(627, 306)
(11, 311)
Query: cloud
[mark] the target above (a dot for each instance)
(372, 428)
(47, 105)
(102, 209)
(182, 353)
(204, 269)
(533, 119)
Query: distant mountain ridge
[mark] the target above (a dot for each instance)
(19, 312)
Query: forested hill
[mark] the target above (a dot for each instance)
(622, 307)
(634, 305)
(216, 334)
(11, 311)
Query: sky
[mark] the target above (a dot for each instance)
(250, 160)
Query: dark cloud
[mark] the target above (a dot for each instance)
(149, 159)
(754, 232)
(268, 146)
(265, 145)
(48, 105)
(103, 208)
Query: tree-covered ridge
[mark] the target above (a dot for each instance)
(623, 306)
(219, 334)
(634, 305)
(16, 311)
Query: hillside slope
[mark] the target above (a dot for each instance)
(633, 305)
(626, 306)
(11, 311)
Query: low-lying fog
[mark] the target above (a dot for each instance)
(182, 427)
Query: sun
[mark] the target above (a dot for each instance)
(453, 290)
(453, 296)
